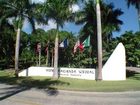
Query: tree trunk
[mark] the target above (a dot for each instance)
(39, 56)
(55, 72)
(17, 52)
(99, 39)
(52, 58)
(47, 59)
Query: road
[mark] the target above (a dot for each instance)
(133, 69)
(13, 95)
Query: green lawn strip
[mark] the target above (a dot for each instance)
(102, 86)
(131, 84)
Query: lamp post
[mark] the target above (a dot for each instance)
(99, 39)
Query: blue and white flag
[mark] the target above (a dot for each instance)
(64, 43)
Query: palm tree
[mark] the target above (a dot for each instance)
(20, 10)
(99, 39)
(136, 3)
(109, 18)
(59, 12)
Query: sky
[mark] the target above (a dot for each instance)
(129, 18)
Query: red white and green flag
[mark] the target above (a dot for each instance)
(77, 44)
(81, 46)
(86, 42)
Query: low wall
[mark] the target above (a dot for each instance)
(80, 73)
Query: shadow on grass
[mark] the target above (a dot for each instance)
(132, 75)
(18, 85)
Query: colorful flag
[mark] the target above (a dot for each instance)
(86, 42)
(81, 46)
(38, 47)
(64, 43)
(77, 44)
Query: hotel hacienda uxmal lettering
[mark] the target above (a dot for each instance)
(76, 73)
(79, 73)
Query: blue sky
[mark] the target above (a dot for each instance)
(129, 18)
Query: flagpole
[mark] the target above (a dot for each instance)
(99, 39)
(39, 54)
(79, 58)
(90, 56)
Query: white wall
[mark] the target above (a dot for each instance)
(79, 73)
(115, 67)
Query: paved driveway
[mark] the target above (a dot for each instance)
(13, 95)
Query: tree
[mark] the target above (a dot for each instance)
(131, 42)
(109, 17)
(109, 22)
(99, 39)
(20, 10)
(39, 36)
(59, 12)
(136, 3)
(6, 40)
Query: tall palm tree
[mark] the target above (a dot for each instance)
(109, 18)
(136, 3)
(20, 10)
(58, 11)
(99, 39)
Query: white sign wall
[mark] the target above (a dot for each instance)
(115, 67)
(80, 73)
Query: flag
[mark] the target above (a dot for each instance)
(38, 47)
(64, 43)
(76, 46)
(86, 42)
(81, 47)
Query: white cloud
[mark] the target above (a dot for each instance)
(10, 20)
(50, 25)
(75, 8)
(26, 27)
(38, 1)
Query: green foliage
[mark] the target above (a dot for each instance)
(109, 16)
(131, 41)
(83, 59)
(60, 14)
(110, 22)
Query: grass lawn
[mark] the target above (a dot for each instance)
(131, 84)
